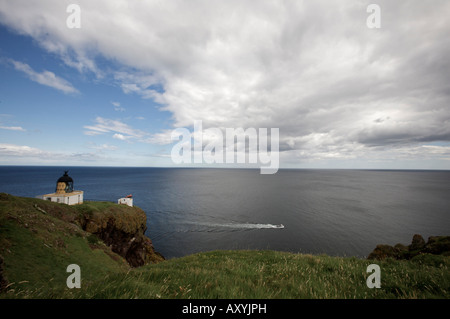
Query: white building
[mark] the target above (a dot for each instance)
(64, 192)
(126, 201)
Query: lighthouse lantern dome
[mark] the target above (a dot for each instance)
(64, 184)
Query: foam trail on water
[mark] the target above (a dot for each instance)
(242, 225)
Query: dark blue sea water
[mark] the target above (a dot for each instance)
(336, 212)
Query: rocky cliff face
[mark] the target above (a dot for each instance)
(123, 229)
(436, 245)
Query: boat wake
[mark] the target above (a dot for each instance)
(239, 225)
(249, 226)
(179, 224)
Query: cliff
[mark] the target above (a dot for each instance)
(39, 239)
(122, 228)
(436, 245)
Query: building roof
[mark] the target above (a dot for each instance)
(74, 193)
(65, 178)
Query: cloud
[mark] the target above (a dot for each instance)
(92, 132)
(161, 138)
(121, 137)
(27, 154)
(13, 128)
(117, 107)
(20, 150)
(46, 78)
(122, 131)
(334, 88)
(6, 117)
(103, 147)
(148, 86)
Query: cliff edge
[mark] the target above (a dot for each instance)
(122, 228)
(436, 245)
(39, 236)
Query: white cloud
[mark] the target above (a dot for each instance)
(161, 138)
(36, 156)
(136, 82)
(124, 132)
(120, 130)
(20, 150)
(335, 88)
(46, 78)
(103, 147)
(117, 107)
(13, 128)
(121, 137)
(6, 118)
(92, 132)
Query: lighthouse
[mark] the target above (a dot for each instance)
(128, 200)
(64, 192)
(64, 184)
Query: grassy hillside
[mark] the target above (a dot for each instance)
(270, 274)
(39, 239)
(37, 247)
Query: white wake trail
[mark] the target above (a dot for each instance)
(242, 225)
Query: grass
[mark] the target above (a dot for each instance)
(270, 275)
(37, 247)
(265, 275)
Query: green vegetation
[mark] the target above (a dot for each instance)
(270, 274)
(39, 239)
(37, 247)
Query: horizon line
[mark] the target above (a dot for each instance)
(248, 168)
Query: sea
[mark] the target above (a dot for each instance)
(311, 211)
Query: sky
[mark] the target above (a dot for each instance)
(111, 92)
